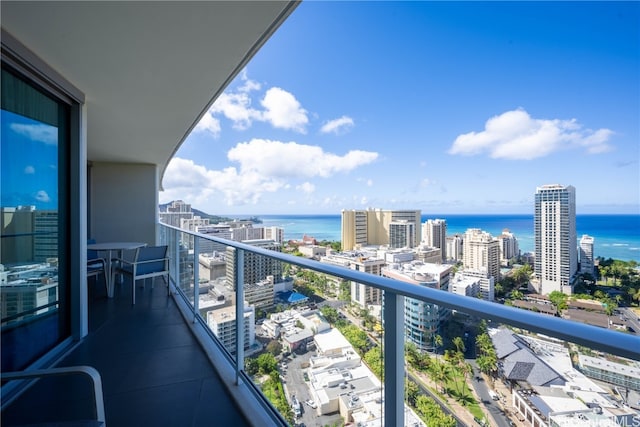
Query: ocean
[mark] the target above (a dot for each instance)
(615, 236)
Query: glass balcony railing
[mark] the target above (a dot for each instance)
(403, 355)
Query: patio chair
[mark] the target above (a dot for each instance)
(88, 371)
(148, 262)
(96, 265)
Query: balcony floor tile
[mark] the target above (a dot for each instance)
(153, 370)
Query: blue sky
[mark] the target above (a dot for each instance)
(29, 162)
(445, 107)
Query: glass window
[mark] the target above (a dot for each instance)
(34, 178)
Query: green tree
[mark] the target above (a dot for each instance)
(274, 347)
(458, 343)
(373, 359)
(559, 300)
(330, 313)
(251, 366)
(356, 337)
(413, 391)
(437, 341)
(440, 373)
(267, 364)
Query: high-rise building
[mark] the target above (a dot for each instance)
(455, 246)
(586, 254)
(256, 267)
(365, 261)
(222, 323)
(556, 248)
(422, 320)
(175, 213)
(273, 233)
(508, 247)
(482, 252)
(372, 226)
(434, 234)
(402, 234)
(221, 231)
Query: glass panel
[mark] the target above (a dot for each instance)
(185, 265)
(33, 202)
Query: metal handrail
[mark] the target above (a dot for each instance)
(606, 340)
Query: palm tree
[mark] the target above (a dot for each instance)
(440, 373)
(459, 345)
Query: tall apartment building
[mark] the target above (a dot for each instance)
(434, 234)
(222, 323)
(372, 226)
(508, 247)
(178, 206)
(366, 262)
(174, 218)
(455, 247)
(402, 234)
(192, 224)
(256, 267)
(586, 254)
(486, 284)
(422, 320)
(273, 233)
(482, 252)
(555, 239)
(222, 231)
(45, 239)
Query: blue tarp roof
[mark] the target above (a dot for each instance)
(292, 297)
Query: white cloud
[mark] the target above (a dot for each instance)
(284, 111)
(515, 135)
(188, 181)
(29, 170)
(39, 132)
(337, 126)
(265, 167)
(42, 196)
(279, 108)
(210, 124)
(306, 187)
(290, 159)
(248, 84)
(237, 108)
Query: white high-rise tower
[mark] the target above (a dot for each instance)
(556, 246)
(586, 254)
(434, 234)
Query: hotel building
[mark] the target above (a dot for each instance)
(373, 226)
(482, 253)
(434, 234)
(586, 254)
(555, 238)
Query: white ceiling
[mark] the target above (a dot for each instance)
(148, 69)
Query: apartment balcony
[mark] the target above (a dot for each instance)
(161, 364)
(126, 103)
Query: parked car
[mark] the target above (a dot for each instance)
(311, 403)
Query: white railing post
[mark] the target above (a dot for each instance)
(239, 254)
(196, 278)
(176, 260)
(393, 359)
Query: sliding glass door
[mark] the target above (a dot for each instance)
(34, 207)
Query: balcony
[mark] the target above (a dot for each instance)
(162, 365)
(159, 360)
